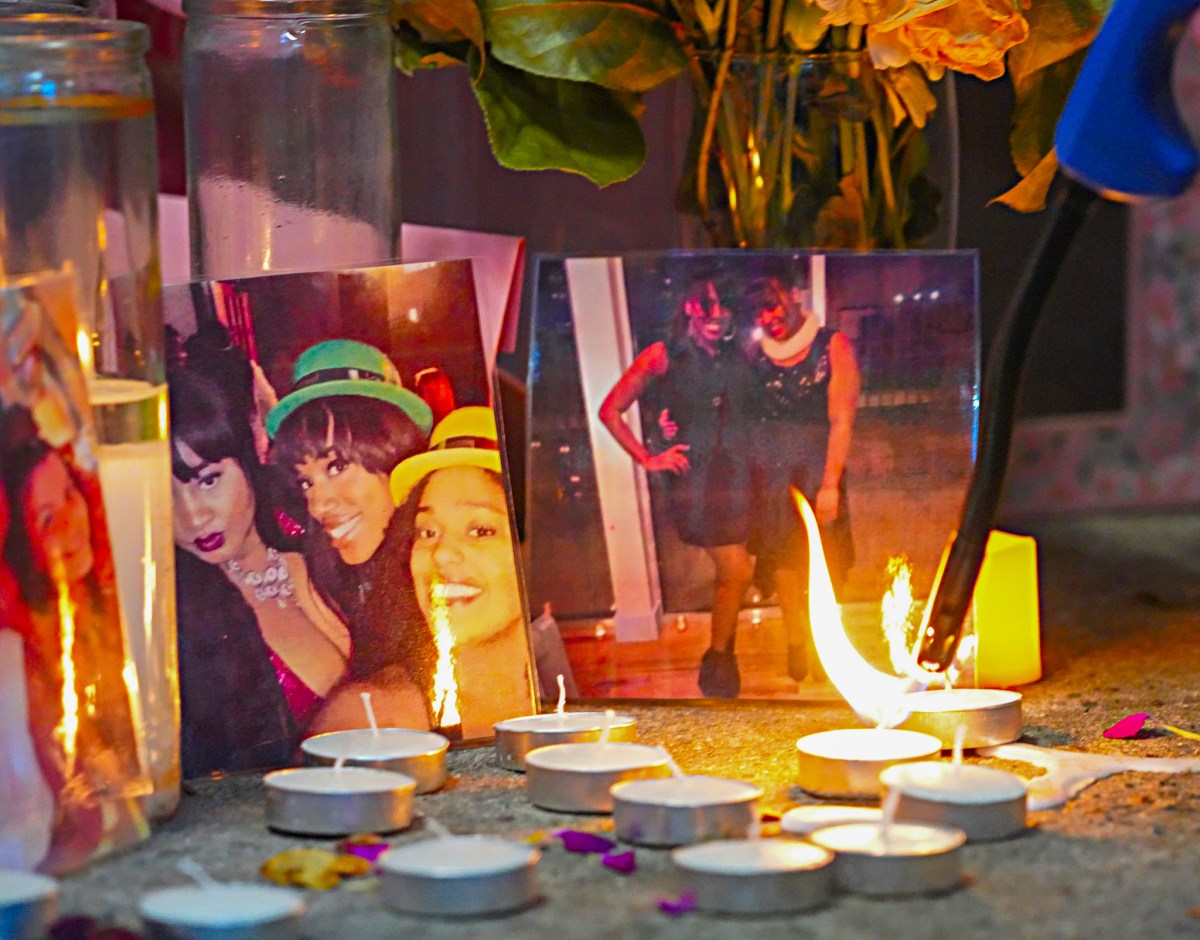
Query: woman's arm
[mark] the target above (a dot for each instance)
(844, 385)
(651, 363)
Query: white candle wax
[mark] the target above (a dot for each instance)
(22, 887)
(870, 744)
(565, 722)
(337, 780)
(954, 700)
(365, 744)
(594, 757)
(221, 905)
(901, 840)
(752, 856)
(697, 791)
(458, 856)
(805, 819)
(950, 783)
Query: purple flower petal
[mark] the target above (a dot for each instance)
(683, 904)
(1127, 727)
(624, 862)
(369, 851)
(586, 842)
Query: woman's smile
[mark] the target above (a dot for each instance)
(211, 542)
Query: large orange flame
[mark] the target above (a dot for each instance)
(445, 687)
(876, 697)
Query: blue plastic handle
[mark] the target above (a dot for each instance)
(1120, 132)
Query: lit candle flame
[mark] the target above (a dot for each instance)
(876, 697)
(68, 729)
(445, 689)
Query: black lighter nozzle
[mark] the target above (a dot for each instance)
(947, 611)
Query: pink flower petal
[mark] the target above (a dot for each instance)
(370, 852)
(586, 842)
(683, 904)
(1127, 727)
(624, 862)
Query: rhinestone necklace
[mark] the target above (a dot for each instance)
(272, 583)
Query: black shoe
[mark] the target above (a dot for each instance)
(797, 661)
(719, 676)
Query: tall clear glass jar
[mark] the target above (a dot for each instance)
(78, 191)
(291, 134)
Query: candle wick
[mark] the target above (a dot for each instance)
(436, 827)
(960, 735)
(562, 696)
(676, 770)
(889, 816)
(340, 762)
(194, 870)
(366, 700)
(606, 726)
(754, 830)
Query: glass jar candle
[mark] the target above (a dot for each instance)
(291, 131)
(78, 181)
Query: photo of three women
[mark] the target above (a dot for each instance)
(752, 396)
(309, 569)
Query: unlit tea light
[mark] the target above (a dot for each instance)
(516, 737)
(459, 876)
(219, 911)
(990, 716)
(417, 754)
(847, 763)
(802, 820)
(28, 904)
(680, 810)
(756, 876)
(330, 801)
(894, 859)
(984, 802)
(576, 778)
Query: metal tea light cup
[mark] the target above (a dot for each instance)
(989, 716)
(681, 810)
(28, 904)
(578, 778)
(417, 754)
(756, 876)
(459, 876)
(325, 801)
(516, 737)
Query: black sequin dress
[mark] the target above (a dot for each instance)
(790, 410)
(706, 398)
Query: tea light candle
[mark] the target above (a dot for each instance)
(984, 802)
(756, 876)
(990, 716)
(28, 905)
(330, 801)
(893, 858)
(417, 754)
(802, 820)
(847, 763)
(220, 910)
(459, 876)
(680, 810)
(576, 778)
(516, 737)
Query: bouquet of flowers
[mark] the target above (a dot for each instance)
(788, 147)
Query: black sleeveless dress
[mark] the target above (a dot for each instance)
(706, 397)
(790, 411)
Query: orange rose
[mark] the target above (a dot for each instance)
(969, 36)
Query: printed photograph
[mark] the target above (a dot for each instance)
(342, 516)
(680, 401)
(70, 767)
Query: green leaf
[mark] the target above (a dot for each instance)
(802, 25)
(537, 123)
(441, 21)
(411, 52)
(618, 45)
(1057, 30)
(1040, 100)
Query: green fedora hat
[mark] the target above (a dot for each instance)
(348, 367)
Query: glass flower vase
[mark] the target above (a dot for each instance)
(821, 150)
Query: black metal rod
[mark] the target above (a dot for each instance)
(1001, 389)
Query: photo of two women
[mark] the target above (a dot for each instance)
(341, 516)
(847, 379)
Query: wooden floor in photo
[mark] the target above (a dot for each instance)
(668, 667)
